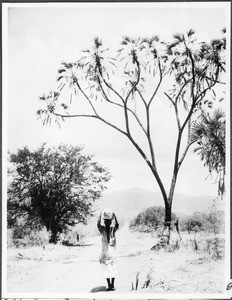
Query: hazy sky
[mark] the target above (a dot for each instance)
(40, 38)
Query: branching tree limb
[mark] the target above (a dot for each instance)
(187, 71)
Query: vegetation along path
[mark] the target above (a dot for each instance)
(62, 269)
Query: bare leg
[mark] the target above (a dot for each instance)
(109, 285)
(112, 284)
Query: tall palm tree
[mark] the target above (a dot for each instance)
(209, 133)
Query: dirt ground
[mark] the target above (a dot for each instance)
(62, 269)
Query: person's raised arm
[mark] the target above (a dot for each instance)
(99, 223)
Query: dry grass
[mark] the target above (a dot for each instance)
(179, 269)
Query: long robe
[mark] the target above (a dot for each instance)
(107, 257)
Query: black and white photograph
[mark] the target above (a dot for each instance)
(116, 169)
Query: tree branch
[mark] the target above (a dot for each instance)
(110, 87)
(87, 98)
(173, 103)
(176, 110)
(141, 96)
(136, 83)
(193, 73)
(181, 128)
(189, 143)
(202, 94)
(122, 106)
(181, 89)
(149, 139)
(91, 116)
(154, 171)
(148, 135)
(127, 97)
(156, 90)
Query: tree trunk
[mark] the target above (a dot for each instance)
(167, 222)
(165, 236)
(168, 211)
(54, 237)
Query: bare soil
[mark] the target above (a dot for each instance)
(63, 269)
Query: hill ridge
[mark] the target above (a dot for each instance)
(127, 203)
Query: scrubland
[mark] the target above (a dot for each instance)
(194, 265)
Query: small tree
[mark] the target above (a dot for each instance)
(53, 187)
(211, 221)
(194, 222)
(127, 82)
(215, 220)
(150, 219)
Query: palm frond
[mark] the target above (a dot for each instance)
(179, 37)
(61, 71)
(190, 32)
(126, 39)
(97, 42)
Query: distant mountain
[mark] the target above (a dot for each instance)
(128, 203)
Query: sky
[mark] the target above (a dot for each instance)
(40, 38)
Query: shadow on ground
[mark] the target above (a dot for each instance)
(98, 289)
(77, 245)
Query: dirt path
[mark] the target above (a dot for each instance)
(60, 269)
(64, 269)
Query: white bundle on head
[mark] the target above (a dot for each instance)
(107, 214)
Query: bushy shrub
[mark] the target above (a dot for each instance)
(215, 247)
(10, 242)
(173, 246)
(209, 244)
(37, 238)
(20, 231)
(71, 238)
(150, 220)
(193, 223)
(213, 222)
(22, 236)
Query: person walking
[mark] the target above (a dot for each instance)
(107, 225)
